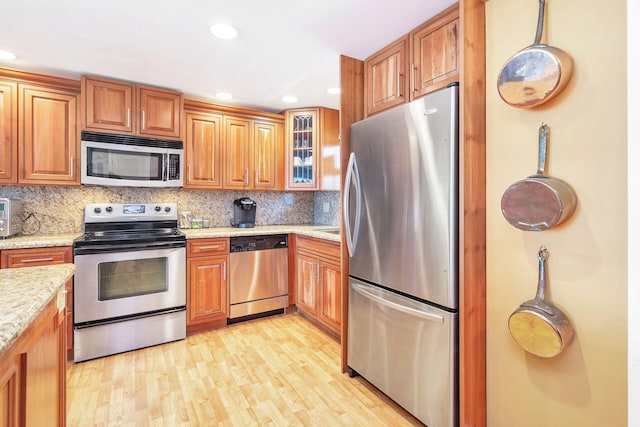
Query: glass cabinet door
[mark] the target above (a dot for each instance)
(302, 151)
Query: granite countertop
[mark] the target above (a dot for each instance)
(319, 231)
(49, 240)
(39, 241)
(24, 293)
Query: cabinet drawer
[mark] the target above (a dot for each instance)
(15, 258)
(203, 247)
(319, 247)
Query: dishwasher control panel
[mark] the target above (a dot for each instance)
(258, 243)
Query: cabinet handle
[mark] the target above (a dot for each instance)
(72, 164)
(413, 78)
(128, 117)
(188, 172)
(246, 176)
(210, 247)
(27, 261)
(257, 175)
(224, 271)
(399, 85)
(143, 127)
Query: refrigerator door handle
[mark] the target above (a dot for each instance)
(352, 173)
(395, 306)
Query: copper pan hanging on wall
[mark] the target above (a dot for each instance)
(538, 325)
(538, 202)
(535, 74)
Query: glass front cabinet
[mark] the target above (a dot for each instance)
(311, 132)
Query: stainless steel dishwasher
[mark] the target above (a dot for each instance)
(259, 281)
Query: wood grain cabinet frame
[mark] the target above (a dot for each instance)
(318, 282)
(207, 283)
(420, 62)
(126, 108)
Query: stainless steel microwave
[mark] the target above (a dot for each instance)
(129, 161)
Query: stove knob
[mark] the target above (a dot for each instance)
(157, 208)
(97, 210)
(167, 209)
(109, 209)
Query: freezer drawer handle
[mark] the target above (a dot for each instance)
(399, 307)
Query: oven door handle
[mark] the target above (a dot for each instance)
(107, 248)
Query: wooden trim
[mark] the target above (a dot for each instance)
(473, 398)
(205, 107)
(351, 111)
(41, 79)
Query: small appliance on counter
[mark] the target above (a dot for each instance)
(244, 213)
(10, 217)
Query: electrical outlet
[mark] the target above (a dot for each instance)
(288, 199)
(325, 207)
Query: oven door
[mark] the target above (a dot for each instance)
(115, 285)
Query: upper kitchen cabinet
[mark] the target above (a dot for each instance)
(8, 132)
(39, 142)
(233, 148)
(126, 108)
(423, 61)
(203, 150)
(434, 47)
(48, 136)
(313, 149)
(385, 77)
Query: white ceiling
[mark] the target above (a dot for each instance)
(284, 47)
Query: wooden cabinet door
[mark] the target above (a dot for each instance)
(160, 113)
(44, 383)
(330, 283)
(108, 105)
(302, 150)
(9, 392)
(207, 289)
(202, 151)
(385, 78)
(329, 151)
(435, 53)
(306, 286)
(237, 153)
(48, 136)
(267, 156)
(8, 133)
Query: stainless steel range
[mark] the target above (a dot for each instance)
(130, 282)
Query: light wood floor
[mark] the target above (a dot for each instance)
(277, 371)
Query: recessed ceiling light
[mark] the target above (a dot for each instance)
(223, 31)
(223, 95)
(333, 91)
(289, 98)
(7, 55)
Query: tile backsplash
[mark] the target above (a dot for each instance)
(61, 209)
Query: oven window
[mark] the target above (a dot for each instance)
(122, 279)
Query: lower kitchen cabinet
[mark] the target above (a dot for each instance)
(17, 258)
(207, 283)
(318, 281)
(33, 374)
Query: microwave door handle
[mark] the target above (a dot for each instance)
(165, 164)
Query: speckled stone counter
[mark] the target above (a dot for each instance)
(24, 293)
(318, 231)
(38, 241)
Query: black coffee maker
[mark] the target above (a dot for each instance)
(244, 213)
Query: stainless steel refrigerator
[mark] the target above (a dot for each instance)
(401, 219)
